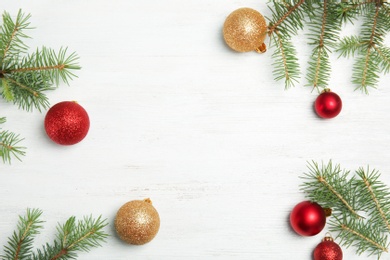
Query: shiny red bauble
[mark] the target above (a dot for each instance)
(328, 104)
(307, 218)
(67, 123)
(328, 250)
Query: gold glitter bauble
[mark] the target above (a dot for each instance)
(245, 30)
(137, 222)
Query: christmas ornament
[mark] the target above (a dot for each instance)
(328, 250)
(67, 123)
(245, 30)
(328, 104)
(137, 222)
(307, 218)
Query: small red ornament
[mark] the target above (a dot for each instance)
(307, 218)
(328, 104)
(67, 123)
(328, 250)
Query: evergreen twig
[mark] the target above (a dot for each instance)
(375, 195)
(324, 32)
(363, 235)
(285, 22)
(21, 242)
(334, 188)
(324, 19)
(331, 187)
(9, 144)
(72, 237)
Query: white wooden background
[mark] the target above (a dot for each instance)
(177, 117)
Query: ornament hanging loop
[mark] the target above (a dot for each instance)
(328, 237)
(262, 48)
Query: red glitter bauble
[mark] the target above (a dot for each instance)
(66, 123)
(307, 218)
(328, 104)
(328, 250)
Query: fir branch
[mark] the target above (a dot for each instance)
(285, 22)
(374, 195)
(20, 244)
(25, 78)
(368, 56)
(52, 66)
(324, 31)
(285, 63)
(329, 186)
(11, 41)
(365, 72)
(373, 57)
(73, 237)
(348, 12)
(362, 235)
(9, 145)
(349, 46)
(288, 13)
(383, 57)
(325, 19)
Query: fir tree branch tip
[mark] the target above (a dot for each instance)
(72, 237)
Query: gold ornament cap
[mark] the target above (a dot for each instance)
(328, 237)
(137, 222)
(245, 29)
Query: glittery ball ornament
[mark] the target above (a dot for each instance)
(245, 30)
(308, 218)
(67, 123)
(328, 104)
(137, 222)
(328, 250)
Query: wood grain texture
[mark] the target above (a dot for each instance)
(177, 117)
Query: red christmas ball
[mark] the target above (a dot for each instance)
(328, 104)
(307, 218)
(328, 250)
(67, 123)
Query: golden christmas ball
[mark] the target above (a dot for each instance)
(137, 222)
(245, 30)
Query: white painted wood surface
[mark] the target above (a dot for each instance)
(176, 116)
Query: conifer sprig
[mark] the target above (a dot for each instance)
(331, 187)
(285, 63)
(324, 31)
(334, 188)
(375, 195)
(72, 237)
(365, 236)
(25, 78)
(21, 243)
(324, 20)
(9, 144)
(13, 36)
(286, 20)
